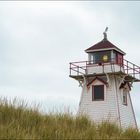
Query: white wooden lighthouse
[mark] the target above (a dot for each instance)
(106, 79)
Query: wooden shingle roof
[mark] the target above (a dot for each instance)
(103, 45)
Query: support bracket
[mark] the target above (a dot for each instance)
(122, 80)
(85, 81)
(132, 83)
(80, 83)
(108, 80)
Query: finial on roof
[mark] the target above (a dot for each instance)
(105, 34)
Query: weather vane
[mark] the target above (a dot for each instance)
(104, 33)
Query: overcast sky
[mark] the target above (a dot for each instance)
(39, 39)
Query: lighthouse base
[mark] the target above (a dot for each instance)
(115, 106)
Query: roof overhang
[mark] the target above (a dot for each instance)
(106, 49)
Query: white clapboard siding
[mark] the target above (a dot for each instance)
(104, 69)
(111, 108)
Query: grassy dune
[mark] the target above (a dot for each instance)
(19, 122)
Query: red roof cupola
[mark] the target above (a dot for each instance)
(104, 45)
(105, 52)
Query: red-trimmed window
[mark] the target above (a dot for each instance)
(97, 92)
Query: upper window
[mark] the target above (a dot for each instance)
(124, 97)
(97, 92)
(102, 57)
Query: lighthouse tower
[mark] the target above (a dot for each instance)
(106, 79)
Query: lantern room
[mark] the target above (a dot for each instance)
(105, 52)
(105, 58)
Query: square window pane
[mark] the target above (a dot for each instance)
(98, 92)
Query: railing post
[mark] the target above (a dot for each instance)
(77, 70)
(127, 66)
(120, 63)
(70, 68)
(123, 65)
(103, 67)
(133, 70)
(139, 72)
(86, 68)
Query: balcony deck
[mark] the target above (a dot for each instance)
(88, 69)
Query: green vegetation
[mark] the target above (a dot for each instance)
(17, 121)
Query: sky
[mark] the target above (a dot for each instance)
(39, 39)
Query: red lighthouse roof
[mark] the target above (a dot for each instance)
(103, 45)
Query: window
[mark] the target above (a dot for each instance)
(97, 92)
(114, 57)
(99, 56)
(92, 58)
(124, 97)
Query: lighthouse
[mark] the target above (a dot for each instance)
(106, 79)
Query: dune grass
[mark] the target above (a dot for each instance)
(17, 121)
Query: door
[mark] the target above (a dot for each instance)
(120, 59)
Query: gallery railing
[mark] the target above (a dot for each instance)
(80, 68)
